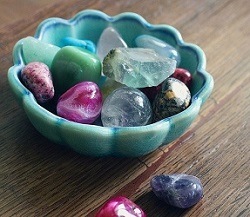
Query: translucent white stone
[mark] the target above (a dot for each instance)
(108, 40)
(137, 67)
(126, 107)
(161, 47)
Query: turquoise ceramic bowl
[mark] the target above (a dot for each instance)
(96, 140)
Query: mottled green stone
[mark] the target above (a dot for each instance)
(35, 50)
(72, 65)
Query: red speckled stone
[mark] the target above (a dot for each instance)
(36, 77)
(183, 75)
(82, 103)
(120, 207)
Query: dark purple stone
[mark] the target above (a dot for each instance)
(179, 190)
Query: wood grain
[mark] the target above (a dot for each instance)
(39, 178)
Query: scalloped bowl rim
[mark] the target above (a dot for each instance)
(197, 100)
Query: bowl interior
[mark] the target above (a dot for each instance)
(102, 141)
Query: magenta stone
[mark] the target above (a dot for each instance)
(120, 207)
(36, 77)
(183, 75)
(82, 103)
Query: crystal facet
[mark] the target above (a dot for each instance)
(137, 67)
(109, 40)
(126, 107)
(172, 99)
(81, 103)
(120, 206)
(37, 78)
(179, 190)
(161, 47)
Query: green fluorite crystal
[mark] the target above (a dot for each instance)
(137, 67)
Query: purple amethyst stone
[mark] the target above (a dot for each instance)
(179, 190)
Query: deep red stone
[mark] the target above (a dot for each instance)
(183, 75)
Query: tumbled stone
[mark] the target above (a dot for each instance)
(173, 98)
(120, 206)
(137, 67)
(161, 47)
(126, 107)
(72, 65)
(86, 44)
(82, 103)
(179, 190)
(109, 40)
(35, 50)
(183, 75)
(36, 77)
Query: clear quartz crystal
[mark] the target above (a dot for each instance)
(109, 39)
(137, 67)
(126, 107)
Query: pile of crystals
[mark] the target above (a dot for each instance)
(109, 83)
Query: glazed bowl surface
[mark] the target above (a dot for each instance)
(94, 140)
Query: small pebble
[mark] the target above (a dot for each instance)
(72, 65)
(179, 190)
(82, 103)
(172, 99)
(36, 77)
(183, 75)
(120, 206)
(126, 107)
(86, 44)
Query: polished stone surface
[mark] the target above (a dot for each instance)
(72, 65)
(82, 103)
(183, 75)
(120, 206)
(109, 40)
(37, 78)
(35, 50)
(179, 190)
(173, 98)
(161, 47)
(126, 107)
(86, 44)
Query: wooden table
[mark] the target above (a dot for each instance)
(39, 178)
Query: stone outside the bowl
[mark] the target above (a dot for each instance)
(104, 141)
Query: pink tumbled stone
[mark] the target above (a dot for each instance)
(120, 207)
(36, 77)
(82, 103)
